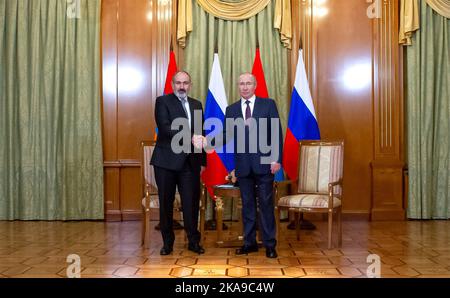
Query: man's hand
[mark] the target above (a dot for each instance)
(199, 141)
(275, 167)
(231, 177)
(202, 169)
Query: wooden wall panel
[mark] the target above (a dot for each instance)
(109, 60)
(343, 72)
(388, 162)
(131, 192)
(109, 105)
(134, 77)
(112, 191)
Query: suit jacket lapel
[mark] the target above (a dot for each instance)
(177, 105)
(239, 110)
(257, 108)
(256, 114)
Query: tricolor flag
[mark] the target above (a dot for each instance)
(302, 122)
(171, 71)
(261, 91)
(218, 164)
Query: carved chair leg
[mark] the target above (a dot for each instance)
(330, 228)
(339, 222)
(297, 224)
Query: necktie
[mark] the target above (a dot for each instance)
(248, 112)
(183, 103)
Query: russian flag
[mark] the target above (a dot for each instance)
(302, 122)
(218, 164)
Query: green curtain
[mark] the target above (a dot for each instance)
(50, 122)
(236, 42)
(428, 114)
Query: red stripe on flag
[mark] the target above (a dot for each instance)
(215, 172)
(171, 71)
(290, 155)
(258, 72)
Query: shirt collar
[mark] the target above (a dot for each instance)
(180, 99)
(251, 99)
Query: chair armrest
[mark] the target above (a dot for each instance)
(282, 188)
(331, 185)
(283, 183)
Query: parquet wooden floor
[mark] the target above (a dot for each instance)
(112, 249)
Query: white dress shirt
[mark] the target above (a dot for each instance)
(244, 105)
(188, 110)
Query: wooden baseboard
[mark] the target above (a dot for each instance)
(129, 215)
(133, 215)
(113, 215)
(387, 215)
(356, 215)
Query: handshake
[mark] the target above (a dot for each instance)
(200, 142)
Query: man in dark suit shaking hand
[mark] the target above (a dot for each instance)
(175, 167)
(253, 126)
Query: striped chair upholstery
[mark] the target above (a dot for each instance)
(319, 165)
(307, 201)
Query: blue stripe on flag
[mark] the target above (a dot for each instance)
(302, 122)
(212, 109)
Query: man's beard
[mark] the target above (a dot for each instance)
(181, 93)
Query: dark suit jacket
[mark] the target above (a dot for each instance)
(264, 108)
(167, 109)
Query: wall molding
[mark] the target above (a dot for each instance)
(387, 165)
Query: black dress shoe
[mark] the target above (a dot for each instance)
(271, 253)
(196, 248)
(165, 251)
(247, 249)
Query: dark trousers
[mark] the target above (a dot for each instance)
(260, 186)
(188, 183)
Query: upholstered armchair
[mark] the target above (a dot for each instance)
(150, 198)
(318, 188)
